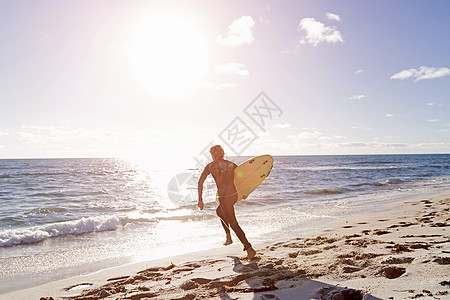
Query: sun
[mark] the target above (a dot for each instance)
(169, 53)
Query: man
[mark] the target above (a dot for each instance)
(223, 173)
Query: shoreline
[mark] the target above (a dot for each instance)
(24, 282)
(320, 259)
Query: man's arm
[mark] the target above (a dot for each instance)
(200, 186)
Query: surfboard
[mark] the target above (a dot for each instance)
(250, 174)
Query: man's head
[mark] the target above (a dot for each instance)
(217, 152)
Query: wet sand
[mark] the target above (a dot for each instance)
(401, 253)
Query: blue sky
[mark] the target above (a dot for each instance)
(143, 78)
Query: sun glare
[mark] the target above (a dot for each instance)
(169, 53)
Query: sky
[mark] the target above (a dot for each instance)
(166, 79)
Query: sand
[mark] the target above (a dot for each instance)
(400, 253)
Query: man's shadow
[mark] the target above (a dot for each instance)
(269, 281)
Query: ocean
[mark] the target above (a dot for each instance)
(64, 217)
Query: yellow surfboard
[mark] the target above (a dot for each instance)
(250, 174)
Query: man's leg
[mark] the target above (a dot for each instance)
(227, 209)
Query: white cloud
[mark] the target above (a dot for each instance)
(430, 104)
(358, 71)
(239, 33)
(3, 133)
(235, 68)
(284, 125)
(432, 120)
(389, 115)
(357, 97)
(334, 17)
(317, 32)
(443, 130)
(263, 20)
(422, 73)
(217, 86)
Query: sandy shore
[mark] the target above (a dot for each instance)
(401, 253)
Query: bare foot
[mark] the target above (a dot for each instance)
(251, 253)
(228, 242)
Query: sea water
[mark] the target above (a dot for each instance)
(62, 217)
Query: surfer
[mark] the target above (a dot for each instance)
(223, 173)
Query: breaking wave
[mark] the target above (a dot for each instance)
(29, 235)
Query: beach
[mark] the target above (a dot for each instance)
(402, 252)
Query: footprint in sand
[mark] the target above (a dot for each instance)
(393, 272)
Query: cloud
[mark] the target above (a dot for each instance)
(432, 120)
(334, 17)
(316, 32)
(358, 71)
(284, 125)
(217, 86)
(389, 115)
(3, 133)
(239, 33)
(234, 68)
(263, 20)
(434, 104)
(422, 73)
(357, 97)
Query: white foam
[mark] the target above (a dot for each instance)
(35, 234)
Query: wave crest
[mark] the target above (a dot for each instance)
(11, 237)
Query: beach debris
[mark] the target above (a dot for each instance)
(393, 272)
(444, 283)
(171, 266)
